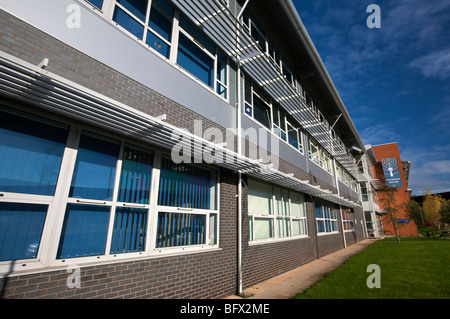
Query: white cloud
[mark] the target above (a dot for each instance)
(434, 64)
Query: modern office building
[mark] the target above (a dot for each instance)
(167, 149)
(387, 168)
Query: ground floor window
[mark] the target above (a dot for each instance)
(326, 218)
(69, 192)
(274, 212)
(347, 219)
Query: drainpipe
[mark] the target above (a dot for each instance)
(239, 147)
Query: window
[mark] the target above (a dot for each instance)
(347, 219)
(326, 220)
(153, 27)
(93, 206)
(154, 21)
(31, 151)
(113, 198)
(274, 212)
(364, 192)
(187, 205)
(279, 122)
(319, 155)
(294, 137)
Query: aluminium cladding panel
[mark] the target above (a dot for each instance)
(102, 41)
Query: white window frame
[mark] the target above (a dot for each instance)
(52, 229)
(332, 212)
(107, 13)
(345, 221)
(275, 216)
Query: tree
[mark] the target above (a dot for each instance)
(414, 211)
(386, 196)
(431, 208)
(445, 212)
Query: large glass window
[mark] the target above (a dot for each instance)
(347, 219)
(199, 56)
(132, 15)
(32, 150)
(326, 219)
(93, 206)
(20, 230)
(274, 212)
(187, 205)
(105, 203)
(95, 168)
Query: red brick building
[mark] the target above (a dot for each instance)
(390, 169)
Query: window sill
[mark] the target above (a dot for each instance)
(326, 234)
(275, 240)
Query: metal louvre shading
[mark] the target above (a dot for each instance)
(28, 83)
(219, 23)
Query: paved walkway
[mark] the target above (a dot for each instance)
(299, 279)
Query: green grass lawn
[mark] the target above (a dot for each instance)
(418, 268)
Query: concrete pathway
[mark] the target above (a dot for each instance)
(291, 283)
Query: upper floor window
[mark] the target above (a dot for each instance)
(163, 29)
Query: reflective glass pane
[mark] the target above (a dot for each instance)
(84, 231)
(176, 229)
(263, 228)
(129, 233)
(262, 112)
(136, 7)
(20, 230)
(161, 17)
(297, 208)
(157, 44)
(127, 22)
(188, 186)
(95, 168)
(135, 177)
(259, 198)
(31, 152)
(200, 38)
(97, 3)
(195, 60)
(293, 137)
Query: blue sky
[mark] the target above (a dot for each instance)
(395, 80)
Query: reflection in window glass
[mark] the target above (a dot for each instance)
(161, 16)
(179, 229)
(20, 230)
(97, 3)
(135, 177)
(194, 60)
(129, 232)
(31, 153)
(187, 186)
(128, 23)
(95, 168)
(136, 7)
(261, 112)
(84, 231)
